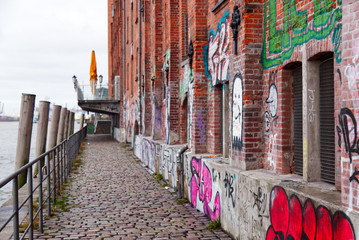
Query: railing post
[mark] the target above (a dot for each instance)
(48, 184)
(54, 178)
(31, 204)
(15, 205)
(59, 161)
(40, 198)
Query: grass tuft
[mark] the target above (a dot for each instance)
(214, 225)
(181, 201)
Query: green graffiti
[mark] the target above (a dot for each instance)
(337, 39)
(296, 29)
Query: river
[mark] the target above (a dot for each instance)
(8, 141)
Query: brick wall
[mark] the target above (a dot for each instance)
(242, 104)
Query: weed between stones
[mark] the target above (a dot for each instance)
(214, 225)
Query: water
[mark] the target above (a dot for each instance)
(8, 141)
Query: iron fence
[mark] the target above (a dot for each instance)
(54, 167)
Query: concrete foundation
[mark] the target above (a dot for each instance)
(250, 204)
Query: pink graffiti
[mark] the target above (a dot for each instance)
(201, 187)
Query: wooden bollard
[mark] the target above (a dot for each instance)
(82, 120)
(24, 135)
(60, 133)
(72, 123)
(66, 127)
(54, 127)
(41, 136)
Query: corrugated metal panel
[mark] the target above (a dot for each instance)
(298, 120)
(327, 123)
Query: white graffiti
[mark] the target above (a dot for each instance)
(311, 111)
(272, 100)
(352, 74)
(218, 53)
(237, 112)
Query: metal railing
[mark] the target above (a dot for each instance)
(55, 164)
(100, 92)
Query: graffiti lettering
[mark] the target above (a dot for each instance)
(296, 29)
(348, 128)
(201, 189)
(201, 126)
(311, 111)
(148, 153)
(237, 112)
(290, 220)
(216, 55)
(228, 185)
(260, 201)
(337, 39)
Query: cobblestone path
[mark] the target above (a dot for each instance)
(111, 196)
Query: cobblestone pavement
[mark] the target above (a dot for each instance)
(111, 196)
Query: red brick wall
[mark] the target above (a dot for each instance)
(271, 39)
(349, 100)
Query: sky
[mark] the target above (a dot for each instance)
(44, 43)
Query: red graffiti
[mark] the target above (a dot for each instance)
(201, 186)
(292, 221)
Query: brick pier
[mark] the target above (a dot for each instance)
(112, 196)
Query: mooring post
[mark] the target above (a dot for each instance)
(41, 134)
(82, 120)
(69, 124)
(54, 127)
(72, 123)
(60, 133)
(24, 134)
(66, 127)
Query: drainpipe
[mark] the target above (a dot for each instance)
(180, 168)
(140, 10)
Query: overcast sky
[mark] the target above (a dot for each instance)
(44, 43)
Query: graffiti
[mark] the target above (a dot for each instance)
(216, 54)
(272, 100)
(228, 185)
(292, 220)
(158, 118)
(148, 153)
(298, 28)
(201, 126)
(311, 111)
(336, 40)
(340, 75)
(237, 112)
(267, 121)
(352, 74)
(201, 189)
(166, 96)
(348, 128)
(167, 160)
(184, 82)
(260, 201)
(272, 149)
(187, 170)
(354, 177)
(189, 113)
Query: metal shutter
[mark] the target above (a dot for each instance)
(327, 124)
(298, 120)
